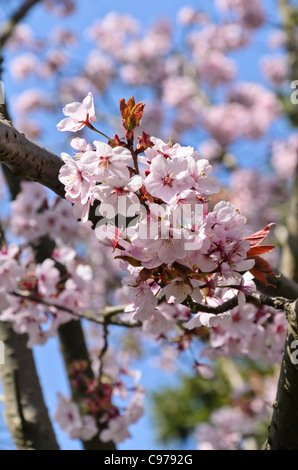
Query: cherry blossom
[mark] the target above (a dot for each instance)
(69, 419)
(106, 161)
(167, 178)
(48, 277)
(188, 248)
(80, 115)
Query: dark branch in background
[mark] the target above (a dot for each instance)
(73, 347)
(8, 28)
(280, 286)
(25, 410)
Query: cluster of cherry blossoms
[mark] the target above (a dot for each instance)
(257, 333)
(152, 210)
(237, 426)
(37, 297)
(98, 414)
(34, 297)
(148, 58)
(149, 206)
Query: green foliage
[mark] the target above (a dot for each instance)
(290, 109)
(179, 409)
(176, 411)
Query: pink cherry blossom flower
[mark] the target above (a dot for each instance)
(81, 145)
(209, 320)
(116, 431)
(31, 100)
(67, 415)
(61, 7)
(176, 90)
(100, 70)
(169, 151)
(136, 407)
(23, 65)
(204, 370)
(275, 69)
(215, 68)
(80, 115)
(178, 290)
(22, 36)
(199, 172)
(225, 122)
(251, 13)
(119, 194)
(48, 276)
(167, 178)
(144, 301)
(69, 419)
(106, 161)
(284, 156)
(10, 273)
(78, 184)
(188, 15)
(157, 324)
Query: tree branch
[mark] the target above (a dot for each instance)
(25, 410)
(7, 29)
(28, 160)
(279, 286)
(96, 317)
(279, 303)
(283, 429)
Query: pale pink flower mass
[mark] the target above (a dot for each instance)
(79, 115)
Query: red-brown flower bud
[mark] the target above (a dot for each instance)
(131, 113)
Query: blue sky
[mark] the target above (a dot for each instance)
(48, 358)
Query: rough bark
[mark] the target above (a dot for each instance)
(289, 263)
(73, 347)
(283, 430)
(28, 160)
(25, 410)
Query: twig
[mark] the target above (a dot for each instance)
(99, 317)
(279, 303)
(15, 19)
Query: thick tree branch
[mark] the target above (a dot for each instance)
(283, 430)
(28, 160)
(280, 286)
